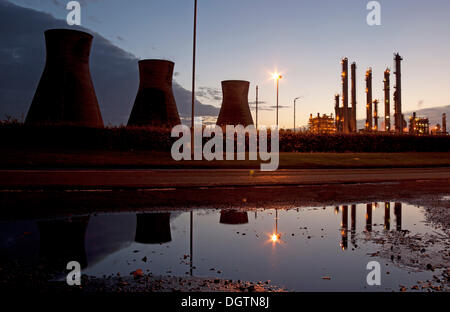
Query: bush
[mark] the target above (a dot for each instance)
(17, 135)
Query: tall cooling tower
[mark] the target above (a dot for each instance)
(155, 103)
(235, 108)
(66, 94)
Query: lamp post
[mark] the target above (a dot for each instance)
(277, 77)
(193, 77)
(257, 91)
(295, 101)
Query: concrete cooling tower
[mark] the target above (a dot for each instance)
(153, 228)
(66, 94)
(155, 103)
(235, 109)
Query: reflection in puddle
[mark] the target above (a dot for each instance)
(293, 248)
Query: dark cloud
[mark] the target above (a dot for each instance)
(212, 94)
(114, 71)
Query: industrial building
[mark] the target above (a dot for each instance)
(155, 103)
(66, 94)
(419, 125)
(235, 108)
(324, 124)
(441, 130)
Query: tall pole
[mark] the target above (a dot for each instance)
(295, 104)
(191, 249)
(278, 84)
(257, 90)
(193, 77)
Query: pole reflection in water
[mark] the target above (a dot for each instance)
(387, 216)
(63, 241)
(369, 218)
(191, 248)
(353, 232)
(153, 228)
(344, 228)
(398, 215)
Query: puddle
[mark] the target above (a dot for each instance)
(307, 249)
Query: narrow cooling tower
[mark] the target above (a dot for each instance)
(235, 109)
(233, 217)
(63, 241)
(66, 94)
(153, 228)
(155, 103)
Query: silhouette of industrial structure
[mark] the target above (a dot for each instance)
(419, 125)
(400, 123)
(155, 103)
(66, 94)
(369, 221)
(322, 124)
(387, 100)
(153, 228)
(345, 115)
(369, 120)
(233, 217)
(235, 109)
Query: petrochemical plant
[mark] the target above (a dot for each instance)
(66, 95)
(345, 120)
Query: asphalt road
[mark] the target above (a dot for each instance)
(74, 179)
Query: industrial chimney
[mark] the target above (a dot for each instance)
(235, 108)
(153, 228)
(369, 118)
(375, 115)
(399, 118)
(338, 111)
(444, 124)
(387, 100)
(66, 94)
(155, 103)
(353, 125)
(345, 117)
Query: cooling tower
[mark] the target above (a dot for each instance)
(66, 94)
(155, 103)
(233, 217)
(153, 228)
(235, 109)
(63, 241)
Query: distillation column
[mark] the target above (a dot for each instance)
(369, 122)
(387, 100)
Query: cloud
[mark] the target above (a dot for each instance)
(114, 71)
